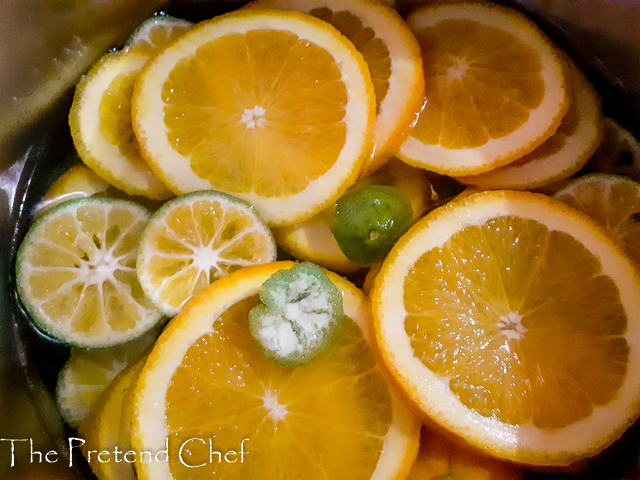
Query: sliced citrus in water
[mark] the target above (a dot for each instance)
(619, 152)
(512, 320)
(156, 33)
(101, 128)
(107, 427)
(312, 239)
(76, 273)
(276, 107)
(611, 200)
(194, 240)
(393, 56)
(207, 382)
(563, 153)
(88, 373)
(496, 88)
(81, 182)
(441, 457)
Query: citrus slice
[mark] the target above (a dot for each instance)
(496, 88)
(275, 107)
(619, 152)
(611, 200)
(88, 373)
(563, 153)
(156, 33)
(312, 239)
(208, 385)
(76, 275)
(108, 427)
(81, 182)
(195, 239)
(101, 128)
(512, 320)
(441, 458)
(393, 56)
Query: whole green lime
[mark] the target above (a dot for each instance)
(368, 222)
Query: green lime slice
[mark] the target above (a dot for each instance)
(368, 222)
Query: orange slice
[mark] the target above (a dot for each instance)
(511, 320)
(100, 120)
(393, 56)
(208, 380)
(440, 458)
(619, 152)
(611, 200)
(275, 107)
(562, 154)
(156, 33)
(496, 88)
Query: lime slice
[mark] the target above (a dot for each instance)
(194, 240)
(76, 275)
(369, 220)
(88, 373)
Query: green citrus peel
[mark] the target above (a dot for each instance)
(299, 316)
(368, 222)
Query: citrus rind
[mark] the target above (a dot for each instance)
(431, 393)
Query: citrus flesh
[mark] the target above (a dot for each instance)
(76, 273)
(207, 378)
(619, 152)
(156, 33)
(101, 128)
(392, 55)
(441, 457)
(512, 320)
(611, 200)
(107, 427)
(275, 107)
(196, 239)
(496, 88)
(563, 153)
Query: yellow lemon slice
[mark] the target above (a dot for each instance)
(196, 239)
(512, 320)
(76, 273)
(441, 458)
(101, 128)
(393, 56)
(275, 107)
(312, 239)
(563, 153)
(208, 385)
(496, 88)
(611, 200)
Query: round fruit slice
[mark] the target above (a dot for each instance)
(81, 182)
(442, 458)
(76, 275)
(194, 240)
(619, 152)
(88, 373)
(108, 428)
(312, 239)
(512, 320)
(275, 107)
(562, 154)
(611, 200)
(207, 386)
(496, 88)
(156, 33)
(393, 56)
(100, 121)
